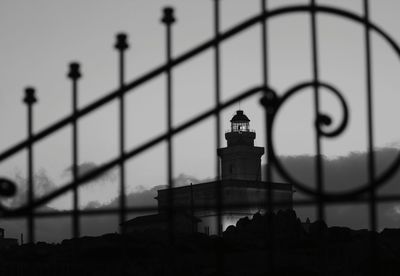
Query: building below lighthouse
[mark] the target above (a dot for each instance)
(239, 193)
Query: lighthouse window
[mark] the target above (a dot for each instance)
(239, 127)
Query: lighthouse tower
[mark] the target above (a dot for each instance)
(240, 160)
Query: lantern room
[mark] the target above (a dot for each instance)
(240, 122)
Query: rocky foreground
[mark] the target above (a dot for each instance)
(245, 249)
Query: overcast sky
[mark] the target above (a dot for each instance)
(39, 38)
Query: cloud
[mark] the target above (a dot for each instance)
(43, 184)
(59, 228)
(342, 174)
(87, 167)
(56, 229)
(184, 179)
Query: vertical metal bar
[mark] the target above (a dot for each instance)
(264, 36)
(265, 73)
(370, 131)
(74, 74)
(217, 79)
(121, 45)
(168, 19)
(30, 99)
(268, 167)
(318, 157)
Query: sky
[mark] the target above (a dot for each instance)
(40, 38)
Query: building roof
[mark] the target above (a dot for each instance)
(237, 183)
(239, 117)
(157, 218)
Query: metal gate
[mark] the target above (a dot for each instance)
(269, 100)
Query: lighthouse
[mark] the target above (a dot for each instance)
(240, 191)
(240, 160)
